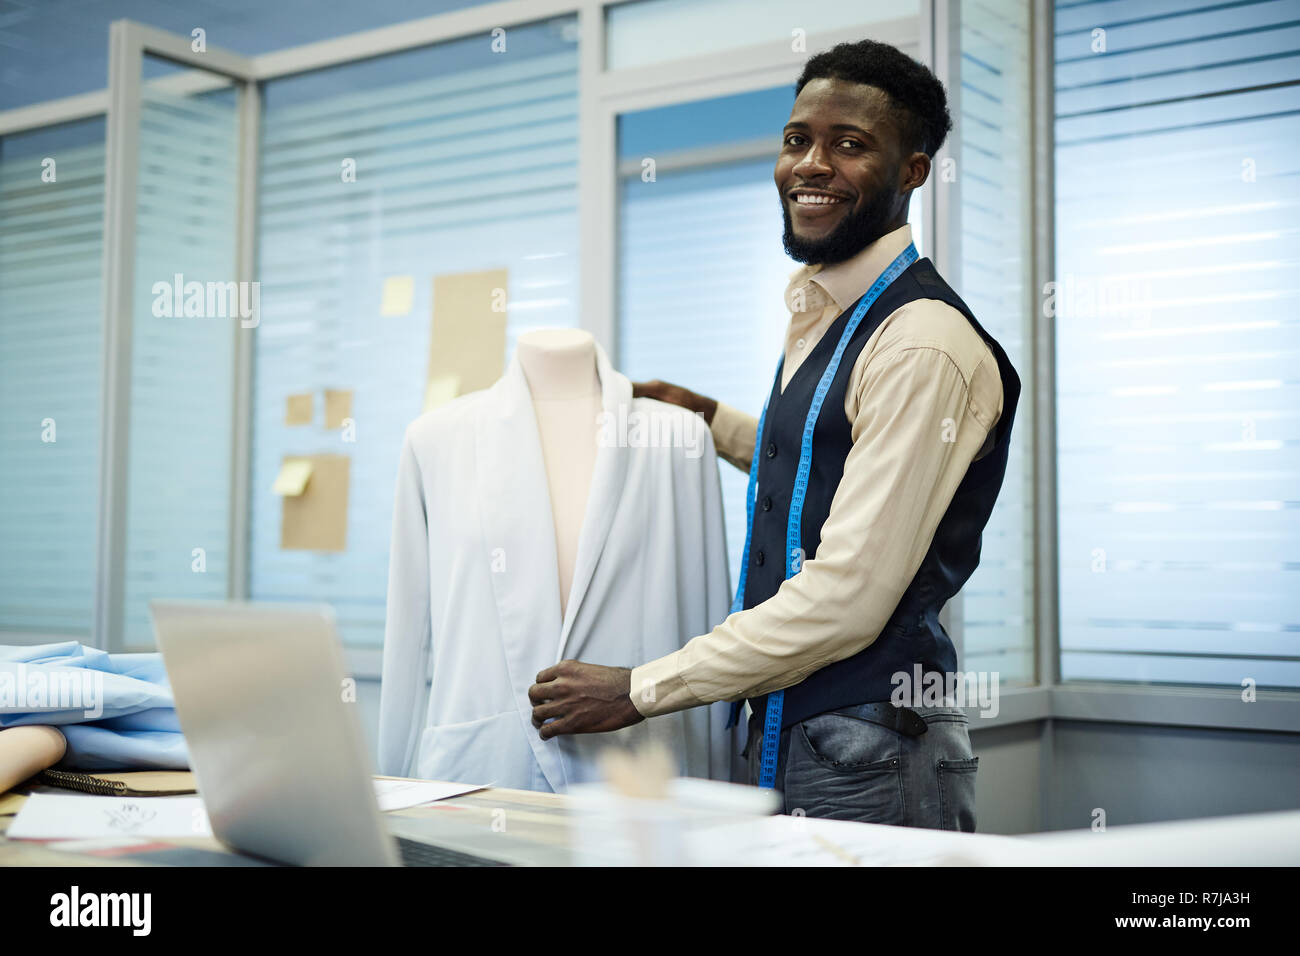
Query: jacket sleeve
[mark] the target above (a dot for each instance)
(404, 691)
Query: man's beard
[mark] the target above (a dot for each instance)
(855, 232)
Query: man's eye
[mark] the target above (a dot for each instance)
(794, 139)
(851, 143)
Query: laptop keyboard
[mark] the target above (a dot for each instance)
(415, 853)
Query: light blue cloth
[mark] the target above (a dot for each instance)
(115, 710)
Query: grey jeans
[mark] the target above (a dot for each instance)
(845, 765)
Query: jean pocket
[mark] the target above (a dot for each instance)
(849, 745)
(957, 793)
(837, 774)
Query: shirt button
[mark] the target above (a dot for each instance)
(800, 344)
(758, 559)
(767, 503)
(771, 449)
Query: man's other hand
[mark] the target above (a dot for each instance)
(676, 395)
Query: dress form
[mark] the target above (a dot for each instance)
(560, 366)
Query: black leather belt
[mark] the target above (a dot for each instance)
(902, 719)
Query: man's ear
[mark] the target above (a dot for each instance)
(914, 172)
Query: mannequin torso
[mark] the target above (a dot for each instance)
(560, 366)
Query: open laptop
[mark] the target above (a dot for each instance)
(275, 743)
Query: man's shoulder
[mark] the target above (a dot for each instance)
(932, 329)
(933, 324)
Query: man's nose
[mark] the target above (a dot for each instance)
(814, 164)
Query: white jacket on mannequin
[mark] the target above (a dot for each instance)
(473, 593)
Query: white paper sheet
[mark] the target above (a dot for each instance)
(48, 816)
(400, 794)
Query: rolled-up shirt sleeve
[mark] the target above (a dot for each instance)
(921, 420)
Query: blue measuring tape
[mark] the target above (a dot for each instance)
(793, 533)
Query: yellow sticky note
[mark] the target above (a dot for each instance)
(338, 406)
(441, 390)
(293, 477)
(299, 409)
(399, 291)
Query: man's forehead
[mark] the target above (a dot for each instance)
(826, 101)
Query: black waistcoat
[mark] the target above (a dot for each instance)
(913, 634)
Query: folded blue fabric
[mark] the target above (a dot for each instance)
(116, 710)
(95, 747)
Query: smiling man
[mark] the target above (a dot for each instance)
(873, 471)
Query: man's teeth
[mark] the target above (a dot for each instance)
(805, 199)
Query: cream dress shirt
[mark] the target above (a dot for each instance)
(922, 400)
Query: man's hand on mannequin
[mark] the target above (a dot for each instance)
(676, 395)
(582, 699)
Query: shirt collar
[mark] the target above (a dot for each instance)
(846, 282)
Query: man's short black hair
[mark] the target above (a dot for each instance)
(919, 103)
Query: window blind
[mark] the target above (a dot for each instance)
(995, 194)
(51, 242)
(1178, 185)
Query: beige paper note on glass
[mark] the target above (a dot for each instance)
(299, 409)
(338, 406)
(317, 519)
